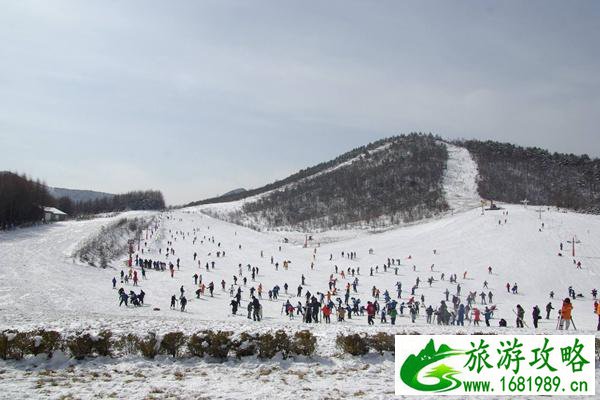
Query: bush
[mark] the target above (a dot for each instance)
(354, 344)
(103, 344)
(3, 346)
(45, 342)
(172, 342)
(81, 346)
(149, 345)
(197, 344)
(269, 345)
(246, 345)
(219, 344)
(128, 344)
(14, 345)
(382, 342)
(304, 343)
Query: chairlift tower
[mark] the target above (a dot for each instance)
(573, 242)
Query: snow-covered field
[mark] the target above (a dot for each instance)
(43, 286)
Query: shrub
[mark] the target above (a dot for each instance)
(197, 344)
(354, 344)
(246, 345)
(269, 345)
(382, 342)
(219, 344)
(304, 343)
(128, 344)
(172, 342)
(14, 345)
(149, 345)
(103, 343)
(80, 345)
(45, 342)
(3, 345)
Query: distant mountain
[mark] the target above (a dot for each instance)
(77, 195)
(235, 191)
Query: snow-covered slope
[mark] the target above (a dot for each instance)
(460, 179)
(40, 284)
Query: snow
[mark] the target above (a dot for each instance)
(460, 179)
(53, 211)
(41, 286)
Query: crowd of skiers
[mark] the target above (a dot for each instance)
(341, 303)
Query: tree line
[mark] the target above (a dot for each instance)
(511, 173)
(22, 200)
(136, 200)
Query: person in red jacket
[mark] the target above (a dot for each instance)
(370, 313)
(476, 316)
(326, 313)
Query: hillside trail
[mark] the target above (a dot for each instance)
(460, 179)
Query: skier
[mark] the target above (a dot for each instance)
(394, 313)
(370, 313)
(536, 316)
(413, 312)
(234, 306)
(487, 315)
(183, 302)
(520, 315)
(476, 316)
(123, 297)
(326, 313)
(114, 282)
(565, 314)
(598, 312)
(256, 307)
(461, 315)
(173, 302)
(548, 309)
(429, 312)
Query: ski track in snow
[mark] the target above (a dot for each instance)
(41, 287)
(460, 179)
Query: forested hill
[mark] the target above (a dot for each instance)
(303, 173)
(512, 174)
(390, 181)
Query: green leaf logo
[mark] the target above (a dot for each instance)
(429, 355)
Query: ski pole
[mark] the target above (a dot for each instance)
(523, 321)
(573, 322)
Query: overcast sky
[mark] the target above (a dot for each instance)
(199, 97)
